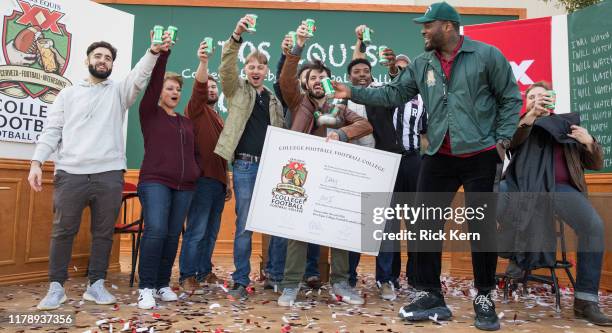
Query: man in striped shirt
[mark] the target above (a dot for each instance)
(396, 130)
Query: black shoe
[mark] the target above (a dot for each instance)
(486, 318)
(271, 284)
(313, 282)
(590, 311)
(425, 305)
(239, 291)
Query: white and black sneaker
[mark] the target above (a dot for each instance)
(486, 318)
(424, 305)
(146, 300)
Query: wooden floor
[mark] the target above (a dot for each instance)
(214, 312)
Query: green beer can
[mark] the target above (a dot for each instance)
(209, 44)
(552, 94)
(252, 27)
(158, 32)
(293, 35)
(310, 26)
(366, 37)
(381, 55)
(327, 87)
(172, 31)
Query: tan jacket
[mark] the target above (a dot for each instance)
(577, 157)
(240, 97)
(303, 107)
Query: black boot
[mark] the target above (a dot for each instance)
(590, 311)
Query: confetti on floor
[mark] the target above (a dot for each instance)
(314, 311)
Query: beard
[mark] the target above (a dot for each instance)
(213, 101)
(99, 74)
(316, 95)
(435, 43)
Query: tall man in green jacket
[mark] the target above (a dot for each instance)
(473, 105)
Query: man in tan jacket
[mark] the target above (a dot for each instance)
(312, 113)
(252, 107)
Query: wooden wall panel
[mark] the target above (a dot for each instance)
(25, 227)
(9, 216)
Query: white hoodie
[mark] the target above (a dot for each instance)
(85, 123)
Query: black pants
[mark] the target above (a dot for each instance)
(406, 182)
(445, 174)
(389, 264)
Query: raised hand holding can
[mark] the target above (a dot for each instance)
(158, 33)
(382, 57)
(310, 26)
(251, 26)
(209, 45)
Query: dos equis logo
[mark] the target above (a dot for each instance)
(36, 49)
(290, 193)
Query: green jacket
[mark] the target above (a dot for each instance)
(240, 96)
(479, 105)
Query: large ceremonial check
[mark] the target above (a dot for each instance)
(310, 189)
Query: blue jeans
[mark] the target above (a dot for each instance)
(202, 228)
(575, 210)
(312, 261)
(354, 258)
(164, 212)
(277, 253)
(245, 174)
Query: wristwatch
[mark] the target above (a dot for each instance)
(504, 143)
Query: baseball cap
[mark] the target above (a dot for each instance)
(402, 57)
(439, 11)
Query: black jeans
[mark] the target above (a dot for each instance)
(389, 264)
(445, 174)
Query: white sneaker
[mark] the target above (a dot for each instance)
(55, 297)
(166, 294)
(97, 293)
(146, 300)
(288, 297)
(344, 293)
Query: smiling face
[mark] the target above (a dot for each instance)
(434, 34)
(100, 62)
(256, 72)
(170, 94)
(360, 75)
(315, 89)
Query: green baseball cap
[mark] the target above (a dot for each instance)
(439, 11)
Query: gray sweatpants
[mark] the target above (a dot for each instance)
(102, 193)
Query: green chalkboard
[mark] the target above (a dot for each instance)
(333, 41)
(590, 57)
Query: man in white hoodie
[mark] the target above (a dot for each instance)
(85, 126)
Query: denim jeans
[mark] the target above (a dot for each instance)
(574, 209)
(202, 229)
(312, 261)
(164, 210)
(277, 254)
(245, 174)
(353, 262)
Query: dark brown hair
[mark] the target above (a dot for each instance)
(105, 45)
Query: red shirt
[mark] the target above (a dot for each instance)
(447, 65)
